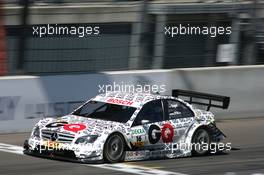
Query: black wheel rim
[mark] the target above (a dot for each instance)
(202, 141)
(115, 148)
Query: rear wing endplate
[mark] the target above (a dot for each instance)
(216, 101)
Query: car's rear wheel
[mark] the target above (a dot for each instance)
(114, 149)
(201, 142)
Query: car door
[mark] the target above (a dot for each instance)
(180, 116)
(146, 128)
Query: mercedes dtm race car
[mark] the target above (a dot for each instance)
(118, 126)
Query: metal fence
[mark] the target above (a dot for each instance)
(122, 35)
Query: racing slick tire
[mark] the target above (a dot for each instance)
(201, 141)
(114, 149)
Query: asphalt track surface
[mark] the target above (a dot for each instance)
(247, 157)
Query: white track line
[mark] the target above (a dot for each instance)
(123, 167)
(135, 169)
(11, 148)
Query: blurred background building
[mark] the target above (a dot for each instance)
(132, 35)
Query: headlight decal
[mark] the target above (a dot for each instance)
(86, 139)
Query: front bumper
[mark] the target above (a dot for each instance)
(60, 154)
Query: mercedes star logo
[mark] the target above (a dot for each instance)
(54, 136)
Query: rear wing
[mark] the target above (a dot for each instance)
(200, 98)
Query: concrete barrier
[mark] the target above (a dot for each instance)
(26, 99)
(245, 86)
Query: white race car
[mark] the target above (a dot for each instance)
(118, 126)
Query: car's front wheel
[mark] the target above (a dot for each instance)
(114, 149)
(201, 142)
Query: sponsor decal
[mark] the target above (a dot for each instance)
(154, 134)
(53, 110)
(139, 142)
(120, 102)
(68, 127)
(8, 107)
(74, 127)
(139, 131)
(56, 124)
(52, 145)
(167, 133)
(136, 155)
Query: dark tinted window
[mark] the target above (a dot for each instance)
(152, 111)
(176, 109)
(106, 111)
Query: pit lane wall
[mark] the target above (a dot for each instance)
(26, 99)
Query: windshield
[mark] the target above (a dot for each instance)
(105, 111)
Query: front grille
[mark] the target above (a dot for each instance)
(62, 137)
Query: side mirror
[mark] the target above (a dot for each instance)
(144, 122)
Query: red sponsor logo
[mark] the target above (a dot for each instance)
(167, 133)
(74, 127)
(120, 102)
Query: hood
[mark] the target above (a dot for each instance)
(77, 125)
